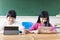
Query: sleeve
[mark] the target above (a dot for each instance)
(53, 28)
(34, 27)
(21, 28)
(2, 27)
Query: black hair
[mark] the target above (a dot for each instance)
(44, 14)
(11, 13)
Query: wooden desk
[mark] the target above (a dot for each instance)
(31, 37)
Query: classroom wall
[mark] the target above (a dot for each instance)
(53, 19)
(30, 7)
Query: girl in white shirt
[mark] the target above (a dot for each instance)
(11, 17)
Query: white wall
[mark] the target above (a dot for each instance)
(53, 19)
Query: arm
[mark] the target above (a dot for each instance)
(22, 28)
(2, 27)
(52, 30)
(24, 31)
(34, 27)
(48, 30)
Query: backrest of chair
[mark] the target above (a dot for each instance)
(27, 25)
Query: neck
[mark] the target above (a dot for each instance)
(42, 22)
(10, 23)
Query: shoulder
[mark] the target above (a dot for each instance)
(18, 24)
(4, 23)
(37, 23)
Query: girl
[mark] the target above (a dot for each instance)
(42, 25)
(11, 21)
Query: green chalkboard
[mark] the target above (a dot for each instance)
(30, 7)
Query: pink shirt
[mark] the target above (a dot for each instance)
(38, 25)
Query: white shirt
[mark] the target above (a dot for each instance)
(21, 28)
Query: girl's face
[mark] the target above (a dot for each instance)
(10, 20)
(43, 20)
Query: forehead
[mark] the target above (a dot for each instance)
(43, 18)
(10, 17)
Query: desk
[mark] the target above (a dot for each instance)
(31, 37)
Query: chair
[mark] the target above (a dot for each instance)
(27, 25)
